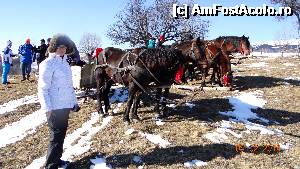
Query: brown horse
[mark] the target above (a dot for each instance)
(136, 69)
(228, 45)
(215, 54)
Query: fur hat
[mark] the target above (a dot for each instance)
(58, 40)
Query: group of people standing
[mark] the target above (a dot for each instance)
(27, 54)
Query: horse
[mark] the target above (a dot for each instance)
(192, 53)
(227, 45)
(136, 69)
(215, 54)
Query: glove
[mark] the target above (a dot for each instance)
(76, 108)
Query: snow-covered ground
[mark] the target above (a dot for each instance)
(243, 105)
(79, 141)
(273, 55)
(12, 105)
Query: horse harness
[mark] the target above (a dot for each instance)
(122, 70)
(213, 56)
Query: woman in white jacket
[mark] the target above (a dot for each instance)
(57, 97)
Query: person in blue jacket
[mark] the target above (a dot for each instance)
(151, 43)
(6, 62)
(26, 52)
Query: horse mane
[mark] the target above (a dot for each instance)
(181, 43)
(114, 49)
(234, 39)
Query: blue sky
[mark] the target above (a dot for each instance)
(41, 19)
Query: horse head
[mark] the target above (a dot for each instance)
(225, 69)
(111, 55)
(244, 45)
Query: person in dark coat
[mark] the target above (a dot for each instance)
(41, 50)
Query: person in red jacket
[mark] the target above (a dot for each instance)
(97, 52)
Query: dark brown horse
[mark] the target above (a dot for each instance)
(136, 69)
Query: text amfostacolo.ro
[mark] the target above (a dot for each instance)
(238, 10)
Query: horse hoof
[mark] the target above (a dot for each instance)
(103, 115)
(126, 120)
(162, 115)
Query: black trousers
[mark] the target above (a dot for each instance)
(57, 123)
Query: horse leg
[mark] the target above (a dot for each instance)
(106, 98)
(191, 70)
(99, 97)
(131, 93)
(219, 76)
(213, 76)
(164, 103)
(204, 72)
(158, 96)
(135, 106)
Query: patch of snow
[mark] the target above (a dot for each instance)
(159, 122)
(190, 105)
(156, 139)
(83, 142)
(137, 159)
(291, 78)
(243, 104)
(171, 105)
(180, 151)
(219, 135)
(187, 87)
(273, 55)
(261, 128)
(225, 124)
(20, 129)
(289, 64)
(99, 163)
(284, 146)
(195, 163)
(12, 105)
(258, 65)
(216, 137)
(276, 122)
(222, 130)
(129, 131)
(117, 109)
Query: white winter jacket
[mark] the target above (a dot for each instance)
(55, 85)
(7, 55)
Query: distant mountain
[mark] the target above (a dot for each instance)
(291, 45)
